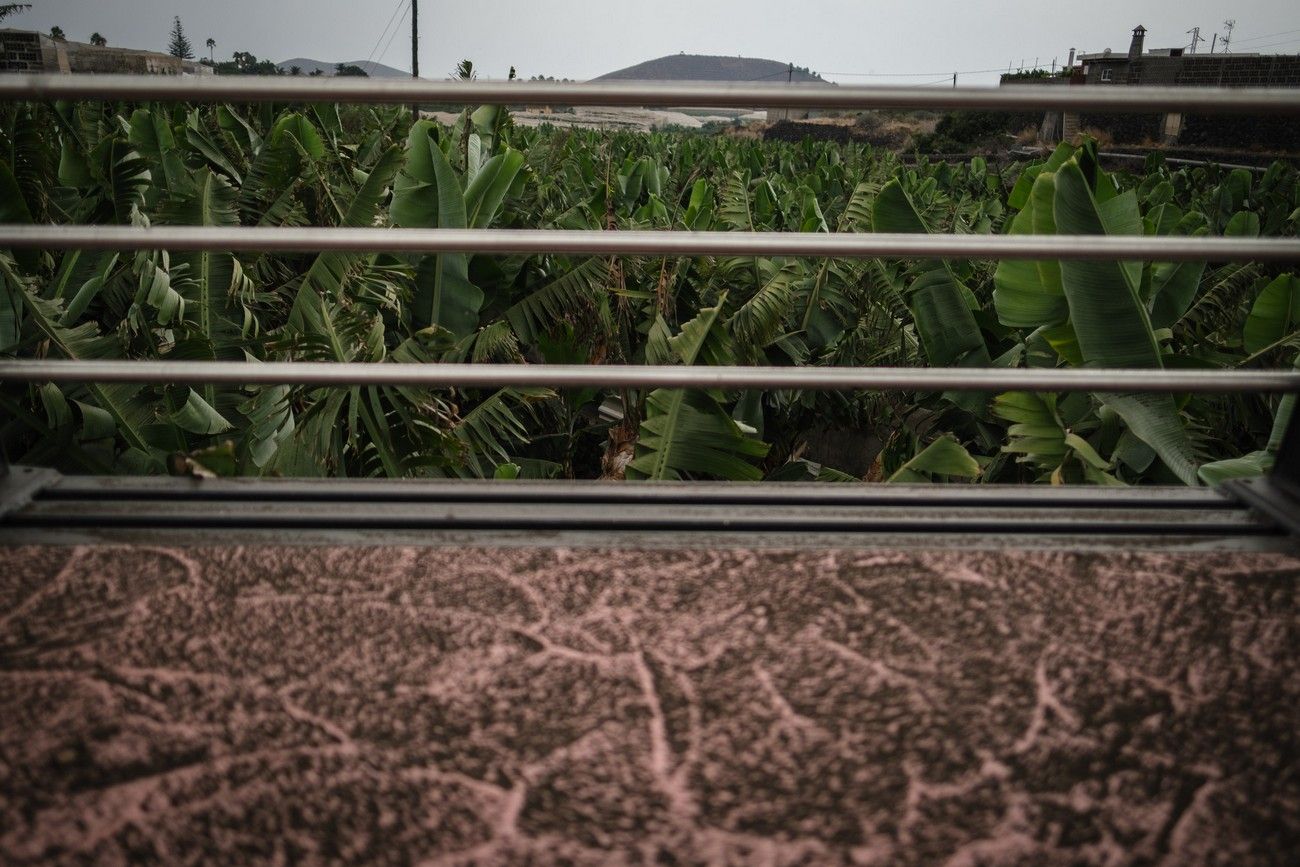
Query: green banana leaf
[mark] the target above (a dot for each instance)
(939, 303)
(1110, 320)
(688, 431)
(1274, 318)
(1028, 293)
(210, 274)
(943, 457)
(486, 192)
(427, 193)
(1255, 463)
(1040, 438)
(84, 343)
(325, 278)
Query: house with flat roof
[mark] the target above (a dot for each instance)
(1180, 67)
(1173, 67)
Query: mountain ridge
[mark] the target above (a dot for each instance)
(372, 68)
(711, 67)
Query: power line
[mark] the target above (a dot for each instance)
(396, 6)
(396, 30)
(1265, 36)
(1274, 44)
(770, 75)
(911, 74)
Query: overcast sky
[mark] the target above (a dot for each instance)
(585, 38)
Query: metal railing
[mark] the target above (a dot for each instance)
(668, 243)
(480, 375)
(1133, 99)
(704, 95)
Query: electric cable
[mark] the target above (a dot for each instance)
(396, 30)
(396, 7)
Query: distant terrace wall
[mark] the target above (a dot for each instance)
(28, 51)
(104, 60)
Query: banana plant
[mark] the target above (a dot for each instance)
(429, 194)
(942, 306)
(1093, 314)
(687, 432)
(271, 165)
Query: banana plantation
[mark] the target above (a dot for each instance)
(324, 166)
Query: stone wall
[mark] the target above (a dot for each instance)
(1204, 70)
(1200, 70)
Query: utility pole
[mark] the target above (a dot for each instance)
(415, 52)
(789, 75)
(1196, 38)
(954, 81)
(1212, 41)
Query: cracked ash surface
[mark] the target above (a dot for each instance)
(397, 705)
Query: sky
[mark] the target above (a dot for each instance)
(849, 41)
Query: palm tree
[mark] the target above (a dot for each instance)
(56, 33)
(295, 70)
(212, 44)
(97, 39)
(7, 9)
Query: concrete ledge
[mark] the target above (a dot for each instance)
(544, 705)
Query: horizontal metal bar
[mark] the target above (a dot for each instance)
(687, 94)
(1179, 161)
(846, 245)
(551, 517)
(648, 376)
(517, 492)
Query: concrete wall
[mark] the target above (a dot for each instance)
(779, 114)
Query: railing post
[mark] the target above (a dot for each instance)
(1287, 467)
(1278, 493)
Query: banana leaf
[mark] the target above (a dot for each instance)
(328, 272)
(1274, 317)
(1028, 293)
(1110, 320)
(939, 303)
(688, 431)
(427, 193)
(943, 457)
